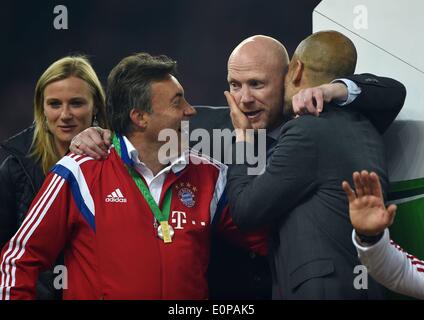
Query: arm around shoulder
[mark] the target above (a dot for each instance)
(381, 99)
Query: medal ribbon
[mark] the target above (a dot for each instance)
(160, 215)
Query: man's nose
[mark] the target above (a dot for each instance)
(189, 110)
(246, 96)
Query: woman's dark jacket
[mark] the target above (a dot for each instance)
(20, 179)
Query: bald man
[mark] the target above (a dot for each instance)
(299, 195)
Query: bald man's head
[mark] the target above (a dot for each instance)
(256, 71)
(261, 49)
(326, 55)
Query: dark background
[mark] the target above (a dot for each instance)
(199, 34)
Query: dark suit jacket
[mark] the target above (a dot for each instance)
(380, 101)
(300, 196)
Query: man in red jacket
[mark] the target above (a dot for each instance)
(132, 226)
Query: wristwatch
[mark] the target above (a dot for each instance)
(370, 240)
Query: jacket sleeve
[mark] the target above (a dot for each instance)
(381, 99)
(258, 201)
(394, 268)
(37, 243)
(224, 225)
(8, 217)
(255, 241)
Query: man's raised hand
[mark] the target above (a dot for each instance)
(367, 211)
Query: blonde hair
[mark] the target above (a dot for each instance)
(43, 147)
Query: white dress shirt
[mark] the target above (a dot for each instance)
(154, 182)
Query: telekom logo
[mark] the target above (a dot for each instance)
(179, 218)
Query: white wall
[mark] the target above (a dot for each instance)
(392, 44)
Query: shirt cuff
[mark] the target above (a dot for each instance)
(364, 247)
(352, 91)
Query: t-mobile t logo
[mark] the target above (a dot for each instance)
(179, 218)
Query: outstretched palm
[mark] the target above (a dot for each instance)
(367, 211)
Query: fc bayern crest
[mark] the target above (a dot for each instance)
(186, 193)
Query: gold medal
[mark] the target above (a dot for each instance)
(165, 232)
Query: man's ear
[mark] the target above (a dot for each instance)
(139, 118)
(297, 72)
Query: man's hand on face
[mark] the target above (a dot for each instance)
(93, 142)
(239, 119)
(311, 100)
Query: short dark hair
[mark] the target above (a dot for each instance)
(326, 55)
(129, 86)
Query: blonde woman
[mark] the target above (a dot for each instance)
(68, 99)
